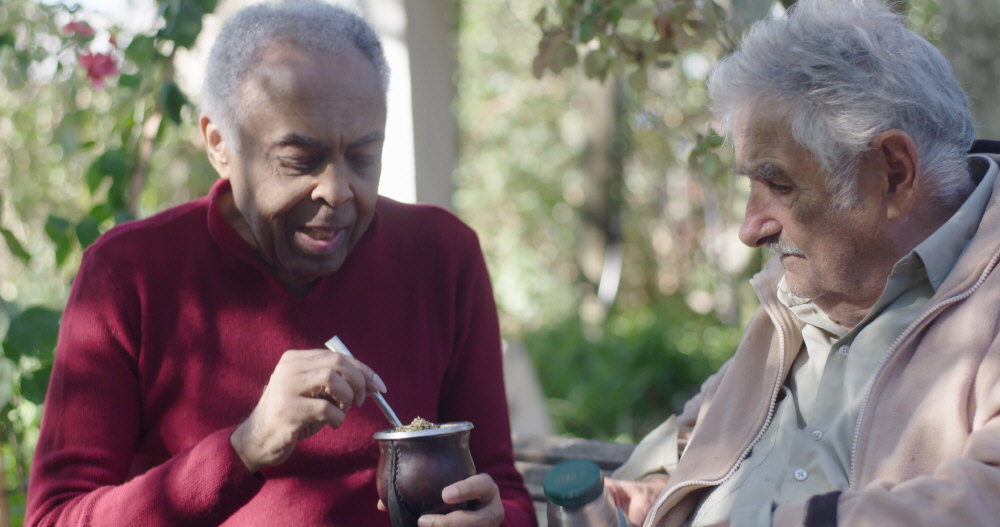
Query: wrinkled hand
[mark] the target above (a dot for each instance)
(307, 390)
(636, 498)
(486, 509)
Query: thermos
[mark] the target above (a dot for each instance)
(576, 497)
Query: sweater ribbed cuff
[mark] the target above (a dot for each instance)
(822, 510)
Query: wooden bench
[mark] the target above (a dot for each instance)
(534, 456)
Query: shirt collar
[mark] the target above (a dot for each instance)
(941, 250)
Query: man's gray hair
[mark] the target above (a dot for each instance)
(311, 25)
(846, 71)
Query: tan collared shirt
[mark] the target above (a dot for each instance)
(807, 448)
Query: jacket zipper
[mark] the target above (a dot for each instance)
(894, 348)
(746, 451)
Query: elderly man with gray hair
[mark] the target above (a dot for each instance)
(191, 385)
(866, 389)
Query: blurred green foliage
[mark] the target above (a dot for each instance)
(85, 148)
(534, 115)
(641, 367)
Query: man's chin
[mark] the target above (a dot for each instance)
(308, 269)
(798, 289)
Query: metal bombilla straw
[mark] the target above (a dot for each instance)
(337, 346)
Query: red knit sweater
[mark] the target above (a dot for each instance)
(172, 329)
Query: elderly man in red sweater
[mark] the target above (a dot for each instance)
(191, 386)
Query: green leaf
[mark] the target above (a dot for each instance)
(87, 231)
(637, 80)
(595, 64)
(57, 229)
(207, 5)
(101, 212)
(714, 140)
(614, 14)
(172, 99)
(32, 333)
(183, 23)
(588, 27)
(113, 163)
(15, 246)
(131, 81)
(540, 17)
(63, 249)
(563, 56)
(7, 371)
(35, 383)
(141, 51)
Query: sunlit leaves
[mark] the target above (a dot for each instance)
(621, 37)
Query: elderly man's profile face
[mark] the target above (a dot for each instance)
(828, 255)
(306, 177)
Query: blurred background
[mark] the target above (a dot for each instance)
(572, 135)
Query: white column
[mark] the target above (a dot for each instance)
(399, 181)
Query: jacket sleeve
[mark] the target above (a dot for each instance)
(660, 450)
(473, 388)
(961, 490)
(86, 469)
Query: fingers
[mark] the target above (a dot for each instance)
(308, 389)
(636, 498)
(482, 492)
(479, 487)
(328, 375)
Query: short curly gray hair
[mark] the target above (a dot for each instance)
(846, 71)
(308, 24)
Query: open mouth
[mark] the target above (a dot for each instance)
(321, 234)
(319, 240)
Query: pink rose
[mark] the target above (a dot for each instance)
(82, 29)
(98, 66)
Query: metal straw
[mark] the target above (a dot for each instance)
(337, 346)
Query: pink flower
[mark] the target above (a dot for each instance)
(82, 29)
(98, 66)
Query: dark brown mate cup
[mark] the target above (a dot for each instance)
(414, 466)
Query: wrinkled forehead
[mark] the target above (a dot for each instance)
(288, 78)
(287, 68)
(761, 128)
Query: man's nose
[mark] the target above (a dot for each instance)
(333, 185)
(759, 225)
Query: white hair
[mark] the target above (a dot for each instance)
(307, 24)
(845, 71)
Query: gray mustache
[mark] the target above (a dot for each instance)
(785, 248)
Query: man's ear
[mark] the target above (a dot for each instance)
(218, 150)
(898, 154)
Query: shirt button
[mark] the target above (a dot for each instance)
(800, 474)
(816, 435)
(843, 349)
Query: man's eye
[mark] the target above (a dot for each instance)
(360, 162)
(298, 164)
(778, 188)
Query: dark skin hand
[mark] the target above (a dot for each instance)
(309, 389)
(479, 489)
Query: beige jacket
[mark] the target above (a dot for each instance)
(927, 443)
